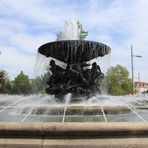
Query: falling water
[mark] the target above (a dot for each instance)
(42, 64)
(71, 32)
(67, 98)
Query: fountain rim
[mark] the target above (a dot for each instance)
(76, 134)
(85, 41)
(74, 51)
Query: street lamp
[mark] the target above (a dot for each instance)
(132, 67)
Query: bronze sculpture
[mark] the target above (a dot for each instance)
(76, 78)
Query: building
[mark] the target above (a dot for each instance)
(141, 86)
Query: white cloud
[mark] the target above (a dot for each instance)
(28, 43)
(36, 11)
(14, 61)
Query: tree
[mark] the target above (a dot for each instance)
(39, 84)
(145, 92)
(118, 81)
(83, 34)
(21, 84)
(4, 82)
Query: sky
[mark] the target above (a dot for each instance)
(27, 24)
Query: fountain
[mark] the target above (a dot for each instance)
(73, 95)
(76, 78)
(73, 92)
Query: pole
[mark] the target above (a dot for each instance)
(138, 76)
(132, 69)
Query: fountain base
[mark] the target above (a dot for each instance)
(78, 135)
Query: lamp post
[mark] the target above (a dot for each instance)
(139, 77)
(132, 67)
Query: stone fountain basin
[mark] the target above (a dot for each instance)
(77, 135)
(77, 110)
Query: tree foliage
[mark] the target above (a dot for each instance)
(118, 81)
(39, 84)
(4, 82)
(145, 92)
(21, 84)
(83, 34)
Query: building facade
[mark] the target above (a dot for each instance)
(141, 86)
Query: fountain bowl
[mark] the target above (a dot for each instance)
(74, 51)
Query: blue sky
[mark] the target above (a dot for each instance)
(27, 24)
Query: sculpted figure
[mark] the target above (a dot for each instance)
(96, 77)
(95, 71)
(57, 73)
(74, 79)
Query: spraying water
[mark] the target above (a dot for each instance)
(22, 107)
(67, 98)
(133, 110)
(38, 104)
(21, 99)
(71, 30)
(102, 110)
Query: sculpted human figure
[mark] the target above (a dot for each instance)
(96, 77)
(55, 69)
(76, 74)
(95, 71)
(57, 72)
(74, 79)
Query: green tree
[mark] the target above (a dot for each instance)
(21, 84)
(59, 36)
(4, 82)
(118, 81)
(83, 34)
(40, 83)
(145, 92)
